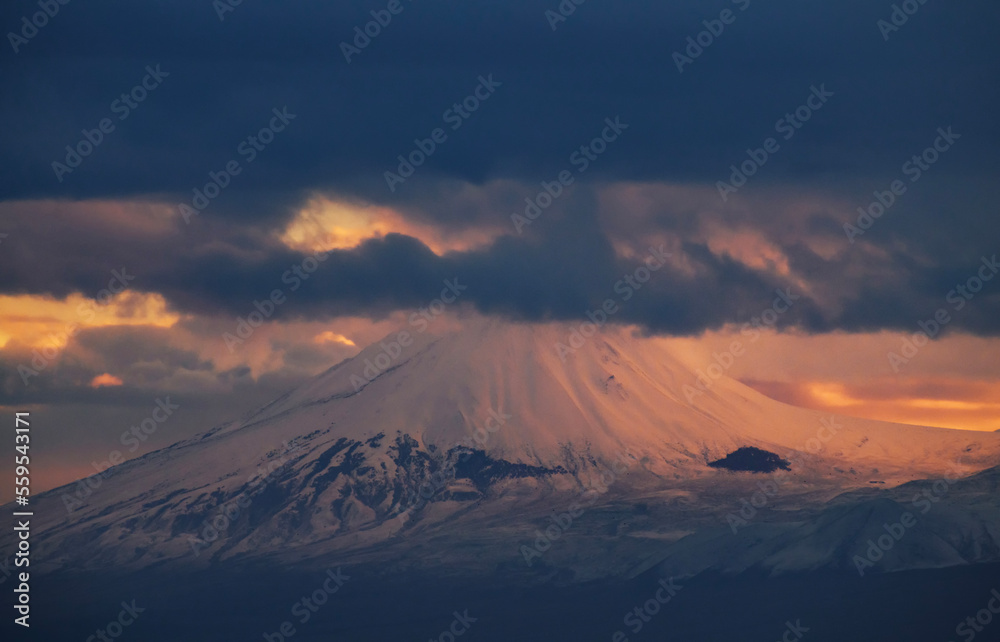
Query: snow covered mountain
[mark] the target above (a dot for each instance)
(473, 435)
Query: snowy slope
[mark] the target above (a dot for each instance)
(333, 464)
(617, 393)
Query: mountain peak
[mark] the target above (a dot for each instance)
(478, 411)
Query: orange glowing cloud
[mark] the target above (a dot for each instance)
(967, 405)
(41, 321)
(332, 337)
(748, 247)
(952, 382)
(327, 224)
(105, 380)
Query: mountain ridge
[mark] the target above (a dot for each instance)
(476, 423)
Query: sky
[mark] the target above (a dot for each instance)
(168, 166)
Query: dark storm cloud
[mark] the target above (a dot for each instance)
(142, 353)
(562, 267)
(352, 120)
